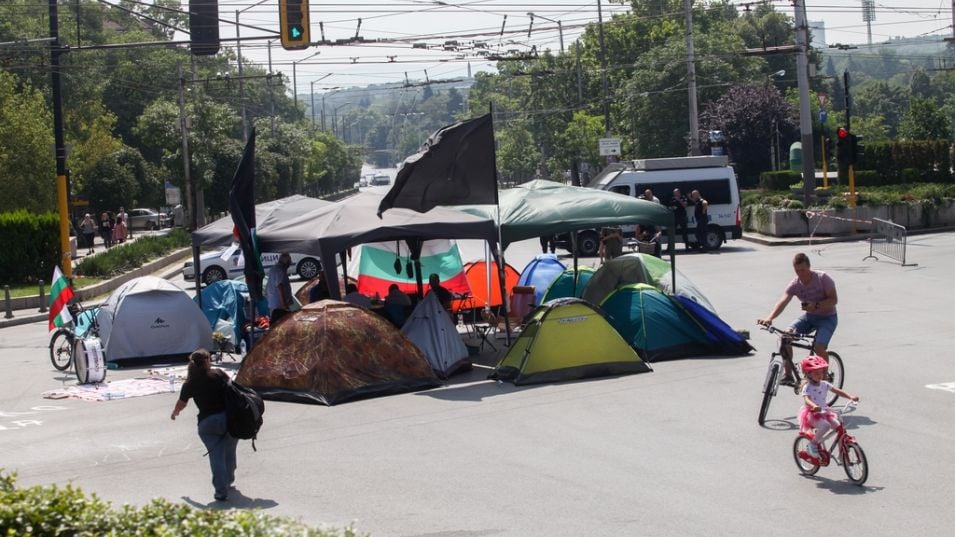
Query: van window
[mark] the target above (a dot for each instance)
(621, 189)
(714, 191)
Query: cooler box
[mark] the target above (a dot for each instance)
(522, 300)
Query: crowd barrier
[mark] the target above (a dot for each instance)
(888, 239)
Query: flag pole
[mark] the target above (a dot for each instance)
(500, 239)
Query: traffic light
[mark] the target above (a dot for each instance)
(827, 146)
(293, 23)
(857, 149)
(204, 27)
(843, 147)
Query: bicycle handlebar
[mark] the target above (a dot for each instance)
(783, 333)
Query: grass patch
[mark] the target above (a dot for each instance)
(34, 290)
(124, 258)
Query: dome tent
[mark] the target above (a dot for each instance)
(330, 352)
(540, 273)
(149, 317)
(430, 328)
(563, 285)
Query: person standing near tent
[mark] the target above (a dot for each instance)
(279, 290)
(700, 213)
(206, 386)
(444, 296)
(817, 293)
(611, 243)
(548, 241)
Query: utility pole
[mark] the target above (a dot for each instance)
(238, 49)
(603, 69)
(271, 93)
(691, 81)
(184, 127)
(805, 114)
(59, 147)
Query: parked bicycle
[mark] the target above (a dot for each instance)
(63, 340)
(777, 368)
(848, 452)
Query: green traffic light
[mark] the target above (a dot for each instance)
(296, 32)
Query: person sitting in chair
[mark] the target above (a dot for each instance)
(397, 305)
(444, 296)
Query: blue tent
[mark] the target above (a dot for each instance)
(540, 272)
(225, 300)
(660, 327)
(563, 284)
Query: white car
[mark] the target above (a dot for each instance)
(147, 219)
(213, 267)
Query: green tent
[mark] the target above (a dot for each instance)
(538, 208)
(567, 339)
(641, 268)
(563, 284)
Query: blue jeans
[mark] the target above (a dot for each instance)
(824, 325)
(221, 446)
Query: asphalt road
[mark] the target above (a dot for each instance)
(675, 452)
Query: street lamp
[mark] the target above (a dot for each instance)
(560, 28)
(335, 117)
(295, 79)
(238, 50)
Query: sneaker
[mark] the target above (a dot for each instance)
(812, 450)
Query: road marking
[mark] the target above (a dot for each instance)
(20, 424)
(947, 386)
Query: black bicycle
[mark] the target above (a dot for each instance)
(63, 339)
(777, 367)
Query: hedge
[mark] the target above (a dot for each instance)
(780, 180)
(53, 510)
(909, 161)
(30, 244)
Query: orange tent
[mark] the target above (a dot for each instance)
(476, 273)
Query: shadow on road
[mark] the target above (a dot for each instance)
(236, 500)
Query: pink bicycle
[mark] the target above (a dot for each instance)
(850, 454)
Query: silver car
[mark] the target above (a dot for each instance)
(146, 219)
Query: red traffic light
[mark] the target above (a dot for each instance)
(842, 133)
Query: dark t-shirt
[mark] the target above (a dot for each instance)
(679, 208)
(444, 296)
(208, 392)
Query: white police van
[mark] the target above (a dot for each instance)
(711, 175)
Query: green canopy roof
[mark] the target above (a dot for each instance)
(539, 207)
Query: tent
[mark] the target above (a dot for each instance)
(540, 273)
(567, 339)
(330, 352)
(268, 217)
(224, 302)
(149, 317)
(379, 264)
(563, 285)
(660, 327)
(476, 273)
(430, 328)
(641, 268)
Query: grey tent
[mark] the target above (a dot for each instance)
(431, 330)
(268, 215)
(150, 317)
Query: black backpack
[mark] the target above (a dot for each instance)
(243, 411)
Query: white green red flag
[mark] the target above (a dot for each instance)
(377, 267)
(60, 295)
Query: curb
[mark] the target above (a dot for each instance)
(163, 264)
(768, 240)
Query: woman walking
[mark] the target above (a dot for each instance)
(207, 387)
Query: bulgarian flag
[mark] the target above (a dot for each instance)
(377, 267)
(60, 295)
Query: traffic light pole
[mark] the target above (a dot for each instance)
(852, 171)
(59, 147)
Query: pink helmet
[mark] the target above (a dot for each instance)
(813, 362)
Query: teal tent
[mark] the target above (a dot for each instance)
(659, 327)
(563, 285)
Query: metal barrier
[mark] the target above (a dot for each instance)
(889, 240)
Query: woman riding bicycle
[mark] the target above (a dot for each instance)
(814, 413)
(817, 293)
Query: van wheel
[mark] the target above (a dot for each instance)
(587, 244)
(308, 268)
(714, 237)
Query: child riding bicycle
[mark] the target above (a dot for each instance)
(815, 414)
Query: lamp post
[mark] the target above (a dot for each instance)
(295, 79)
(238, 50)
(335, 117)
(774, 141)
(560, 28)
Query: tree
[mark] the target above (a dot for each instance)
(27, 167)
(923, 120)
(517, 158)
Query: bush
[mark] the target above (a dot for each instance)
(30, 244)
(52, 510)
(129, 256)
(780, 180)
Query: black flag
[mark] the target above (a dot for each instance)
(454, 167)
(242, 207)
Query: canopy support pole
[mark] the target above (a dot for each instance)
(195, 270)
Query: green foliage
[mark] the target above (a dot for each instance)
(781, 180)
(27, 167)
(54, 510)
(923, 120)
(30, 244)
(931, 158)
(517, 158)
(132, 255)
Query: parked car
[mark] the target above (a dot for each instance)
(213, 267)
(147, 219)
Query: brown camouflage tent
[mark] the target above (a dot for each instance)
(330, 352)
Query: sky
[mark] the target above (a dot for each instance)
(419, 40)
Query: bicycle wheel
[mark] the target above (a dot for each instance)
(855, 463)
(769, 390)
(836, 374)
(61, 349)
(805, 467)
